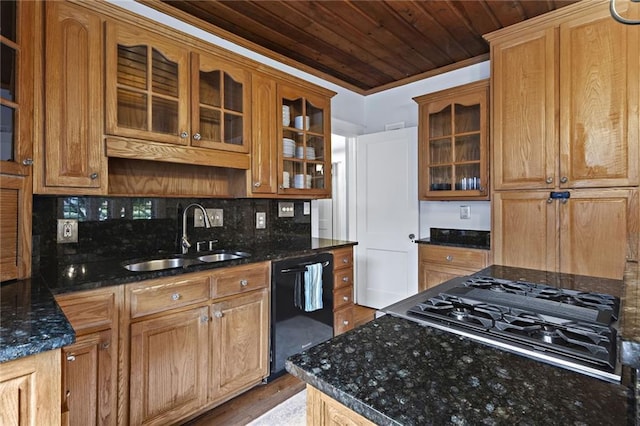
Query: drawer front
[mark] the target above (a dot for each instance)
(342, 297)
(168, 295)
(240, 279)
(89, 311)
(343, 278)
(343, 258)
(343, 320)
(460, 257)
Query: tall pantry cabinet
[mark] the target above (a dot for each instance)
(565, 136)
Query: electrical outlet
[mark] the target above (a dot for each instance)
(306, 208)
(261, 220)
(216, 217)
(465, 212)
(285, 209)
(198, 219)
(67, 231)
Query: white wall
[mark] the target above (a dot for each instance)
(396, 105)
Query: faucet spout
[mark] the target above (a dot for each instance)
(184, 242)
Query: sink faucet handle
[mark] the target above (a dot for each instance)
(185, 244)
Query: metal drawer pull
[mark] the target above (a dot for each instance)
(197, 136)
(175, 296)
(184, 135)
(71, 357)
(244, 283)
(93, 176)
(564, 179)
(345, 322)
(345, 298)
(345, 279)
(549, 180)
(449, 258)
(27, 162)
(345, 260)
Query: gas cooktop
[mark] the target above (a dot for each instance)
(568, 328)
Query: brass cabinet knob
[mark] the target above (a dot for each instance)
(184, 135)
(244, 283)
(564, 179)
(175, 296)
(93, 176)
(549, 179)
(449, 258)
(197, 136)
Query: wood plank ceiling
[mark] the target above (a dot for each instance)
(362, 45)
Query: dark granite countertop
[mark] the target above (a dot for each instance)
(397, 372)
(32, 322)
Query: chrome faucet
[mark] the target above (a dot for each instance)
(184, 242)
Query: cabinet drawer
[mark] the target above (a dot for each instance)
(235, 280)
(342, 297)
(454, 256)
(88, 311)
(343, 320)
(343, 278)
(167, 295)
(343, 258)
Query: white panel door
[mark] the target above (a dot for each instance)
(387, 217)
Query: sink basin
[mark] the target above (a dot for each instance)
(222, 256)
(178, 261)
(157, 264)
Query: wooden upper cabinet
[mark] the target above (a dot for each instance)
(523, 85)
(579, 65)
(147, 86)
(71, 155)
(304, 145)
(220, 102)
(599, 91)
(16, 105)
(264, 163)
(453, 149)
(159, 91)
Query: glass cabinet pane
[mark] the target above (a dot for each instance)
(440, 123)
(233, 125)
(440, 151)
(315, 118)
(467, 118)
(468, 148)
(440, 178)
(210, 88)
(210, 124)
(7, 133)
(8, 20)
(164, 75)
(165, 115)
(233, 92)
(468, 177)
(8, 72)
(132, 109)
(132, 66)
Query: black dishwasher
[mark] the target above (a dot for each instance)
(294, 326)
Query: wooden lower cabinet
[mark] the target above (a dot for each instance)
(90, 365)
(442, 263)
(196, 341)
(30, 390)
(168, 366)
(239, 344)
(342, 290)
(322, 410)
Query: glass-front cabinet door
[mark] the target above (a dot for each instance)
(304, 150)
(453, 143)
(220, 104)
(147, 89)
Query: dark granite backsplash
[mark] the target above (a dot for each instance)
(468, 237)
(106, 227)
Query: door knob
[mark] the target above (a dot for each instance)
(412, 237)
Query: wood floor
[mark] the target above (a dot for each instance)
(252, 404)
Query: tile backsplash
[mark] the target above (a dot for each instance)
(113, 227)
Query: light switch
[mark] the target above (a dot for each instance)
(285, 209)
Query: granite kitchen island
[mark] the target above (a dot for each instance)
(393, 371)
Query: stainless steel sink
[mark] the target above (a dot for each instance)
(157, 264)
(222, 256)
(181, 261)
